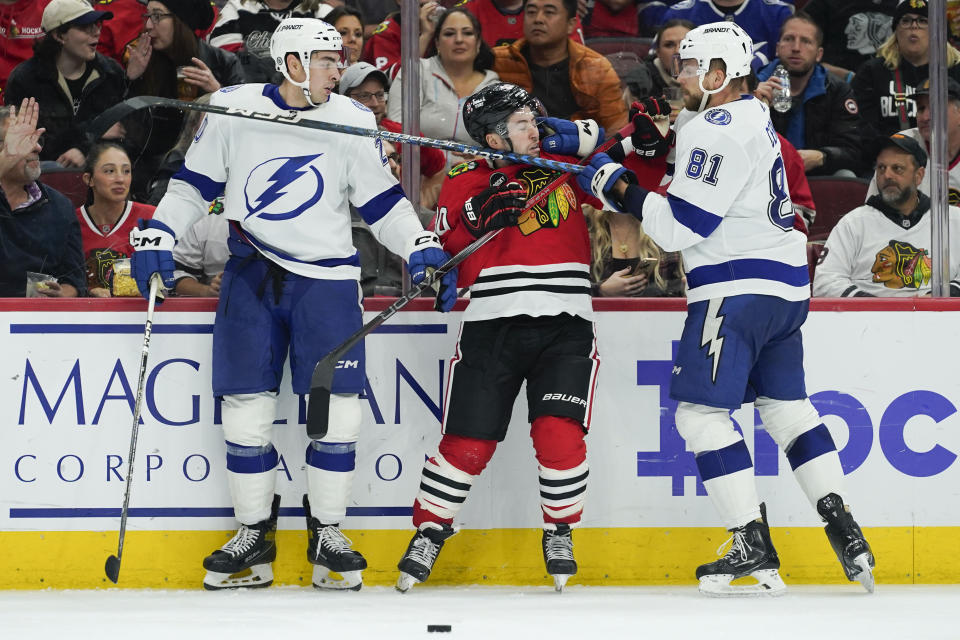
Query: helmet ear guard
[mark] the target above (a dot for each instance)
(302, 37)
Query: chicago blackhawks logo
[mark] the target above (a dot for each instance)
(900, 265)
(551, 212)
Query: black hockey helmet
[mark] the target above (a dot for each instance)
(487, 110)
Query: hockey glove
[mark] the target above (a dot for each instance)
(426, 256)
(153, 253)
(600, 175)
(496, 207)
(647, 139)
(577, 138)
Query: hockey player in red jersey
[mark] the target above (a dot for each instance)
(530, 318)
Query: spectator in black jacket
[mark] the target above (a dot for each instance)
(39, 231)
(885, 85)
(853, 30)
(823, 122)
(71, 81)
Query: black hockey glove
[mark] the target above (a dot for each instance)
(647, 139)
(496, 207)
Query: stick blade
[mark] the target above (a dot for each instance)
(318, 408)
(112, 569)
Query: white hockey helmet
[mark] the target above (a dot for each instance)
(303, 36)
(725, 41)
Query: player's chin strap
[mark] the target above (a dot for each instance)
(708, 93)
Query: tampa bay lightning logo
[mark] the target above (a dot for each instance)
(718, 116)
(283, 188)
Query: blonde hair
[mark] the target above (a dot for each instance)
(890, 52)
(601, 249)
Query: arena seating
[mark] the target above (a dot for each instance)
(834, 197)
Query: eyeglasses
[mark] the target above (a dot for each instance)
(155, 16)
(363, 96)
(916, 21)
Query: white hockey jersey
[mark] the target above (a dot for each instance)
(867, 253)
(289, 187)
(953, 174)
(728, 208)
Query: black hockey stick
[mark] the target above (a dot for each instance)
(112, 566)
(318, 407)
(295, 118)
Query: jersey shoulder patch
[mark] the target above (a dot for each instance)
(462, 168)
(383, 26)
(360, 106)
(718, 116)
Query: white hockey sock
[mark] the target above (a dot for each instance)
(330, 470)
(562, 492)
(727, 475)
(443, 487)
(251, 474)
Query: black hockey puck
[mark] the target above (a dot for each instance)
(438, 627)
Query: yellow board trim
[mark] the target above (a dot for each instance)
(624, 556)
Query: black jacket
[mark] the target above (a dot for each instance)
(105, 87)
(828, 122)
(225, 65)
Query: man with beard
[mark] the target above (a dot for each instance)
(39, 231)
(880, 249)
(823, 120)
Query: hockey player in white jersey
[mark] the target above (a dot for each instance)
(291, 284)
(729, 212)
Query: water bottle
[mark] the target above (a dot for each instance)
(782, 100)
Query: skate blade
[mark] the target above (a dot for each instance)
(256, 577)
(323, 578)
(405, 582)
(768, 584)
(865, 576)
(560, 581)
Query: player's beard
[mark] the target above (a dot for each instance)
(31, 170)
(691, 101)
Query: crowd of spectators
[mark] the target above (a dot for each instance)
(858, 73)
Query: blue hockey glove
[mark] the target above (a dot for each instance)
(426, 256)
(153, 244)
(599, 176)
(577, 138)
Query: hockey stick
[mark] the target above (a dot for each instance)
(295, 118)
(321, 382)
(112, 566)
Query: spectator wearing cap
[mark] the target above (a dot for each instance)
(71, 81)
(571, 80)
(461, 66)
(921, 133)
(881, 249)
(884, 85)
(19, 27)
(823, 122)
(367, 85)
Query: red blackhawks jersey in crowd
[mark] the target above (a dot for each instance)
(602, 22)
(102, 247)
(126, 26)
(19, 27)
(540, 267)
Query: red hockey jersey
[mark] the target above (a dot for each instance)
(602, 22)
(102, 247)
(19, 27)
(501, 27)
(540, 267)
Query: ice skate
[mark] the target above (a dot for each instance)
(751, 554)
(847, 540)
(245, 560)
(330, 553)
(558, 554)
(422, 552)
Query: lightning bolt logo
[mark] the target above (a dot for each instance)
(291, 170)
(710, 337)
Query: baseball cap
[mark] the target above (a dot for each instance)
(61, 13)
(356, 74)
(953, 89)
(908, 144)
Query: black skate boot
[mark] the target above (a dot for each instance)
(245, 560)
(329, 551)
(558, 554)
(417, 563)
(847, 540)
(751, 554)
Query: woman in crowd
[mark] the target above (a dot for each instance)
(626, 262)
(348, 21)
(109, 215)
(461, 66)
(71, 81)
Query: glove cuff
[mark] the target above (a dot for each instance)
(589, 134)
(422, 240)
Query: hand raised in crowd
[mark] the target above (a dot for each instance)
(22, 133)
(621, 284)
(427, 11)
(138, 53)
(765, 89)
(71, 158)
(199, 75)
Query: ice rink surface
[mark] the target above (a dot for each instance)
(484, 613)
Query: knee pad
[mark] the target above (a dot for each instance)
(705, 428)
(468, 455)
(558, 442)
(345, 418)
(786, 420)
(248, 418)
